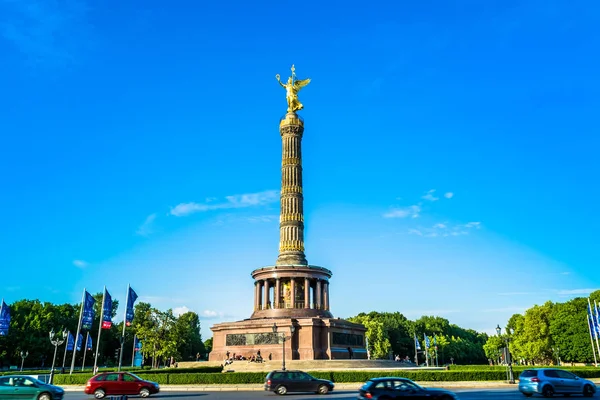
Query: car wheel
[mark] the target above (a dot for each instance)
(588, 391)
(548, 391)
(144, 392)
(281, 390)
(44, 396)
(323, 389)
(99, 393)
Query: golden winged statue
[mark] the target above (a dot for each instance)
(292, 87)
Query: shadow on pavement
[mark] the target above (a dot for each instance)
(297, 395)
(178, 395)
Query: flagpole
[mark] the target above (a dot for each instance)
(416, 351)
(436, 351)
(133, 356)
(87, 338)
(78, 331)
(66, 347)
(123, 334)
(590, 328)
(426, 352)
(99, 330)
(597, 327)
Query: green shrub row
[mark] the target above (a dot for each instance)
(175, 371)
(146, 371)
(515, 367)
(26, 372)
(183, 378)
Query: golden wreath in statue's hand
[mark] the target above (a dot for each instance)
(277, 77)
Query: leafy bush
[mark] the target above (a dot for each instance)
(26, 372)
(182, 377)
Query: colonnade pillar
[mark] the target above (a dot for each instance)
(266, 295)
(306, 293)
(277, 303)
(318, 296)
(263, 300)
(293, 292)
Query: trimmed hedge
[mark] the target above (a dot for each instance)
(187, 378)
(25, 372)
(175, 371)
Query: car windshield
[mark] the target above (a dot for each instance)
(135, 376)
(407, 383)
(528, 373)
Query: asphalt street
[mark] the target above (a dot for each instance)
(464, 394)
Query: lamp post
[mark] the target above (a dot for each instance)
(556, 351)
(284, 338)
(511, 377)
(23, 357)
(56, 341)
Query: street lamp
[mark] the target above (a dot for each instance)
(23, 357)
(556, 351)
(511, 377)
(56, 341)
(284, 338)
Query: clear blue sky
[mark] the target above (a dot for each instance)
(451, 151)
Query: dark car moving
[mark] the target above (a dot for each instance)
(282, 382)
(400, 388)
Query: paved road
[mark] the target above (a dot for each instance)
(465, 394)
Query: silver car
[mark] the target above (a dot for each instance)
(550, 381)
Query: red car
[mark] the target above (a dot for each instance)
(119, 383)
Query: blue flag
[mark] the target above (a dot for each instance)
(70, 342)
(597, 316)
(4, 318)
(107, 311)
(87, 318)
(592, 323)
(131, 298)
(427, 343)
(417, 344)
(137, 345)
(79, 342)
(89, 342)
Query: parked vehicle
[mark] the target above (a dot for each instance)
(26, 387)
(282, 382)
(393, 388)
(119, 383)
(551, 381)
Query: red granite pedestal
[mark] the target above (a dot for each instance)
(313, 339)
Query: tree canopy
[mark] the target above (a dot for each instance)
(547, 333)
(163, 334)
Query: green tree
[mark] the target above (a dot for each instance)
(189, 337)
(208, 345)
(377, 339)
(532, 340)
(570, 335)
(493, 348)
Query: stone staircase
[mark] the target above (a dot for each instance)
(304, 365)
